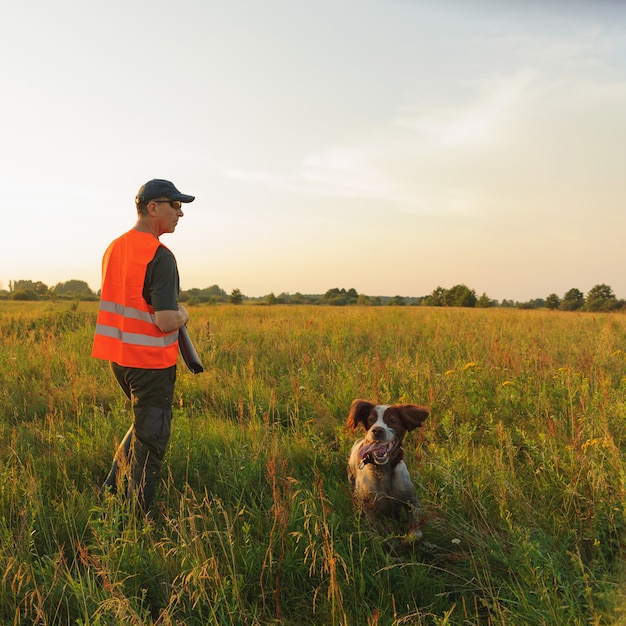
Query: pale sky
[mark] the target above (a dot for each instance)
(390, 146)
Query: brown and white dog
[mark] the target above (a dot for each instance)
(379, 479)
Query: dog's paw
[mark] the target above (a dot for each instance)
(415, 535)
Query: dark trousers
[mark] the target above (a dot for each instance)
(140, 455)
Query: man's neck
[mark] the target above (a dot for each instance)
(146, 226)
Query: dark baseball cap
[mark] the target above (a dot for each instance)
(159, 188)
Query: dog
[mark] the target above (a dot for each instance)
(379, 479)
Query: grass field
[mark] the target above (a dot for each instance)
(520, 471)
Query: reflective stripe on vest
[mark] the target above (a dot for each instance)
(136, 339)
(127, 311)
(126, 332)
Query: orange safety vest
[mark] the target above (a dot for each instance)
(125, 330)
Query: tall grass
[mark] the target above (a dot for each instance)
(519, 469)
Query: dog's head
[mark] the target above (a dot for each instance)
(385, 426)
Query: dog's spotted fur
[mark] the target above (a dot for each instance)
(379, 479)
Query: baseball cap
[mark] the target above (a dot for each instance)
(159, 188)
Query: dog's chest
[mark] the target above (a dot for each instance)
(381, 491)
(372, 480)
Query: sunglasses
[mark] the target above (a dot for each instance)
(175, 204)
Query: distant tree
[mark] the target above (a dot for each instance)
(460, 295)
(270, 298)
(236, 297)
(436, 298)
(363, 300)
(537, 303)
(215, 290)
(24, 294)
(601, 298)
(297, 298)
(334, 296)
(397, 301)
(507, 303)
(208, 294)
(484, 302)
(553, 301)
(338, 301)
(339, 297)
(41, 289)
(573, 300)
(73, 288)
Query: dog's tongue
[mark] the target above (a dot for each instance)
(373, 448)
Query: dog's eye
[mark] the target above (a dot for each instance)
(371, 419)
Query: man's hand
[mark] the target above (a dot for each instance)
(169, 321)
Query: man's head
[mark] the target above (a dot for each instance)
(158, 189)
(159, 205)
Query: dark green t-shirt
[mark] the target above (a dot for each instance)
(161, 285)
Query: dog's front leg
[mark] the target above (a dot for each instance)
(351, 478)
(414, 530)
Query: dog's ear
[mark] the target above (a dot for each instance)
(412, 415)
(359, 410)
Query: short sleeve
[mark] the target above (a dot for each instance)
(161, 285)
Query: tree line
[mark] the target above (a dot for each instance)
(37, 290)
(599, 298)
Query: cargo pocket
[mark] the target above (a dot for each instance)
(153, 429)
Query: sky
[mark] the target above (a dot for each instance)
(390, 146)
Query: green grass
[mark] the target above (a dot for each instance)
(519, 469)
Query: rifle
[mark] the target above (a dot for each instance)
(188, 351)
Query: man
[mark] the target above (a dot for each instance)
(137, 332)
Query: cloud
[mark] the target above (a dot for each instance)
(483, 147)
(338, 171)
(475, 119)
(404, 169)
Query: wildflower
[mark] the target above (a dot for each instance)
(470, 365)
(449, 372)
(508, 383)
(590, 442)
(455, 541)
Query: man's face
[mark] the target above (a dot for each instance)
(167, 213)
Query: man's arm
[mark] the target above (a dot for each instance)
(169, 321)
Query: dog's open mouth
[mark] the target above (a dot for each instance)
(377, 452)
